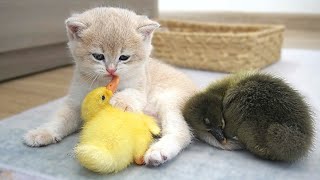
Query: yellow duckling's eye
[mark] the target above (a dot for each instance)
(103, 97)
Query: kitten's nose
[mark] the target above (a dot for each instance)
(111, 70)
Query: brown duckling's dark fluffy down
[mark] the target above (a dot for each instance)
(258, 111)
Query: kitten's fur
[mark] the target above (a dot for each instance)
(145, 84)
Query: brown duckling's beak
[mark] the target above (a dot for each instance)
(113, 84)
(218, 134)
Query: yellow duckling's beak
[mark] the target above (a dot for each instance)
(113, 84)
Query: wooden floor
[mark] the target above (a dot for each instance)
(27, 92)
(24, 93)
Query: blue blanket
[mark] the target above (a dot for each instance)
(199, 161)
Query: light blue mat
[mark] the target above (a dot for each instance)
(199, 161)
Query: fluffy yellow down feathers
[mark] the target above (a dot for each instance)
(112, 139)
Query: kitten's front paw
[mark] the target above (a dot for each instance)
(155, 157)
(161, 151)
(124, 103)
(40, 137)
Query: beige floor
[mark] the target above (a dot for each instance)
(24, 93)
(302, 39)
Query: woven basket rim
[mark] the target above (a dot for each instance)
(269, 28)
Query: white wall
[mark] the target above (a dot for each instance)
(269, 6)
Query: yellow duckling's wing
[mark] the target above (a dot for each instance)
(152, 125)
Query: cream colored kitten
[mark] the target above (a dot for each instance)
(105, 41)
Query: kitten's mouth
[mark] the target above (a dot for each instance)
(110, 75)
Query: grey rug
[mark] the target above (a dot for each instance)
(198, 161)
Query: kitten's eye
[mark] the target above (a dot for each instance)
(99, 57)
(103, 98)
(206, 121)
(124, 58)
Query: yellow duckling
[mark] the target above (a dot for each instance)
(112, 139)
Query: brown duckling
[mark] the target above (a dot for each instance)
(257, 111)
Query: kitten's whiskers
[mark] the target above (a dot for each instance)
(95, 78)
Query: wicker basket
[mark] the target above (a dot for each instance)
(217, 47)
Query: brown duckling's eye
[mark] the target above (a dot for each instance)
(206, 121)
(223, 123)
(103, 98)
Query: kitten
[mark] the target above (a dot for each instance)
(110, 41)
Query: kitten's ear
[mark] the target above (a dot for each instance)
(148, 28)
(74, 27)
